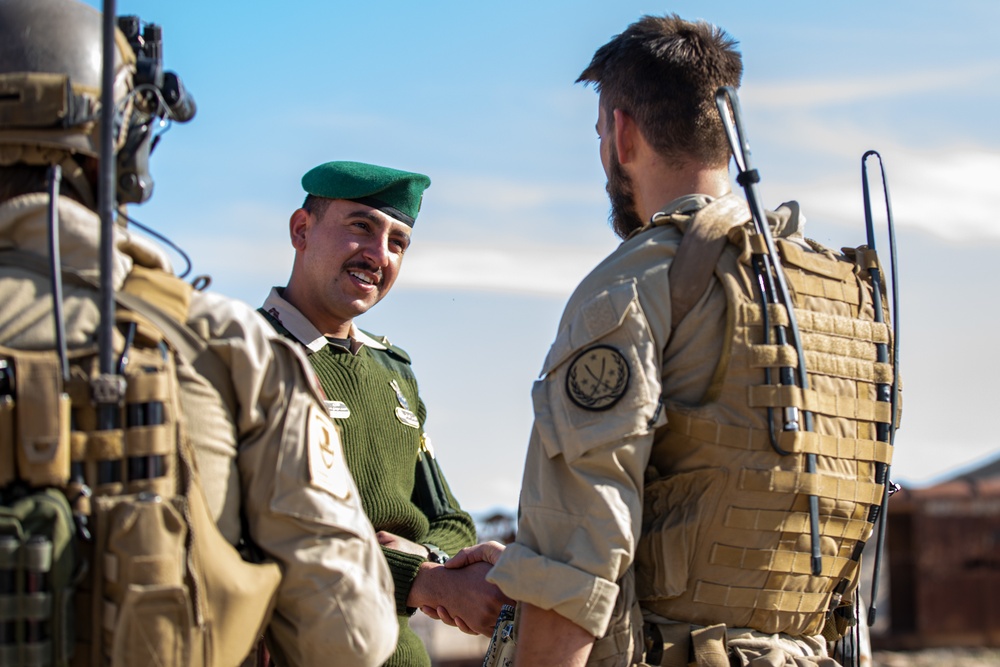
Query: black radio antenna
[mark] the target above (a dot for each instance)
(885, 393)
(774, 291)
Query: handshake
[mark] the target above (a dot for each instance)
(474, 603)
(456, 592)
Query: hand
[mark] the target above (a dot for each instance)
(393, 541)
(486, 552)
(460, 597)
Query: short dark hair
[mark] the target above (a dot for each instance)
(316, 205)
(663, 72)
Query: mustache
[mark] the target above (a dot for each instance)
(362, 265)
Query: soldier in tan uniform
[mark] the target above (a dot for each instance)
(270, 461)
(660, 520)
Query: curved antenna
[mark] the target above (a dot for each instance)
(884, 393)
(728, 105)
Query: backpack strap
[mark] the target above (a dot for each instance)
(173, 295)
(704, 240)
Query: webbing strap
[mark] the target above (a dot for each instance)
(710, 647)
(833, 365)
(774, 356)
(811, 484)
(754, 598)
(188, 344)
(840, 363)
(821, 323)
(784, 396)
(699, 251)
(775, 560)
(833, 290)
(796, 523)
(823, 263)
(807, 442)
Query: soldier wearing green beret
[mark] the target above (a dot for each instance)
(350, 236)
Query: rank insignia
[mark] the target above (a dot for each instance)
(403, 412)
(403, 403)
(597, 378)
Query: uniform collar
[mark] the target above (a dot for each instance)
(786, 221)
(303, 330)
(685, 205)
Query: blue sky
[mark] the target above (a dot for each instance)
(480, 96)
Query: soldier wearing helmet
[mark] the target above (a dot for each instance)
(268, 472)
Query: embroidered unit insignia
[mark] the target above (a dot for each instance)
(327, 467)
(597, 378)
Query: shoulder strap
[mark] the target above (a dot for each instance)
(188, 343)
(699, 252)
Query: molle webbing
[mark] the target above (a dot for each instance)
(798, 442)
(726, 529)
(154, 581)
(816, 402)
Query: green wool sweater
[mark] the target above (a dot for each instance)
(381, 429)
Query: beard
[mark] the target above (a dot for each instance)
(623, 217)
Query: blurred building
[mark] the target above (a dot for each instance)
(944, 563)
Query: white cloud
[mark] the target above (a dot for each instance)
(474, 193)
(822, 93)
(947, 193)
(524, 268)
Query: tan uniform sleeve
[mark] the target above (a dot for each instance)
(580, 504)
(581, 496)
(301, 505)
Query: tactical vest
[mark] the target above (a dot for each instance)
(108, 552)
(726, 529)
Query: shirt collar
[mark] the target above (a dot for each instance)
(302, 329)
(685, 204)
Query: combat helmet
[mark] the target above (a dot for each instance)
(50, 92)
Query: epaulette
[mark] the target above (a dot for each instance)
(394, 351)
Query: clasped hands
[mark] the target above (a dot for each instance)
(457, 592)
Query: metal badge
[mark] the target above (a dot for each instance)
(337, 409)
(597, 378)
(403, 412)
(407, 418)
(399, 395)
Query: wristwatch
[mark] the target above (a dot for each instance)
(435, 555)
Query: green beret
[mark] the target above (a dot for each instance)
(394, 192)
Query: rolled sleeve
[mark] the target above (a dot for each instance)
(581, 495)
(581, 597)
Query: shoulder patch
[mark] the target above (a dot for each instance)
(597, 378)
(327, 465)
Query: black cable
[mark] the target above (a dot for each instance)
(164, 240)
